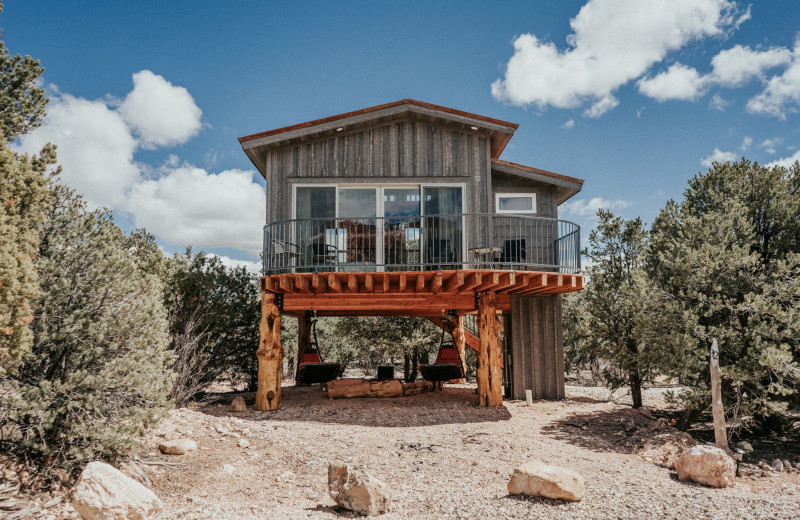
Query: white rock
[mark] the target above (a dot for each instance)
(537, 479)
(227, 468)
(777, 465)
(104, 493)
(744, 445)
(243, 443)
(354, 489)
(177, 446)
(238, 405)
(707, 465)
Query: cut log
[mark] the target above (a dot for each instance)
(346, 388)
(460, 340)
(717, 410)
(303, 341)
(417, 387)
(270, 355)
(490, 358)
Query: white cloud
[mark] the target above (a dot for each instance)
(786, 162)
(746, 143)
(769, 145)
(735, 66)
(613, 42)
(181, 204)
(190, 206)
(569, 124)
(677, 82)
(782, 93)
(717, 102)
(718, 156)
(95, 148)
(253, 267)
(584, 208)
(159, 112)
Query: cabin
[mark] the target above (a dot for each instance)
(406, 209)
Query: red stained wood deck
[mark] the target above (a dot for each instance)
(409, 293)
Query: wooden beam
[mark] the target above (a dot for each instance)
(401, 283)
(472, 281)
(368, 283)
(460, 340)
(287, 284)
(317, 283)
(420, 282)
(400, 303)
(490, 359)
(334, 283)
(455, 281)
(352, 283)
(268, 284)
(436, 283)
(270, 355)
(506, 280)
(301, 284)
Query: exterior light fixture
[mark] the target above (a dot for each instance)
(473, 128)
(339, 129)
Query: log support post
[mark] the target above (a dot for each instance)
(460, 340)
(303, 340)
(270, 355)
(490, 358)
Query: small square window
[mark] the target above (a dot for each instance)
(515, 202)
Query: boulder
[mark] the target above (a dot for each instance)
(177, 446)
(777, 465)
(707, 465)
(537, 479)
(238, 405)
(744, 445)
(104, 493)
(354, 489)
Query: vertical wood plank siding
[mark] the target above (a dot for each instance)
(537, 347)
(390, 152)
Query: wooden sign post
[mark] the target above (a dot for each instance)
(720, 438)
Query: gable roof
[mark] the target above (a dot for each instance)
(566, 186)
(499, 131)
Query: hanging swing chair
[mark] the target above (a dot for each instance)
(448, 364)
(311, 368)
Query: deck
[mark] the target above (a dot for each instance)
(409, 293)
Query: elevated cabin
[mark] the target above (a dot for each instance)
(406, 209)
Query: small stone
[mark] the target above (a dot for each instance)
(777, 465)
(787, 465)
(238, 405)
(227, 468)
(177, 446)
(707, 465)
(353, 488)
(537, 479)
(103, 492)
(243, 443)
(744, 445)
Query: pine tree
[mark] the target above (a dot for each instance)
(98, 373)
(727, 259)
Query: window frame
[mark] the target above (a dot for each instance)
(499, 195)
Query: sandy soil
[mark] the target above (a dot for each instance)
(443, 457)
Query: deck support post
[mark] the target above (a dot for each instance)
(270, 355)
(460, 341)
(303, 340)
(490, 358)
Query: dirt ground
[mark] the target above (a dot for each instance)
(443, 457)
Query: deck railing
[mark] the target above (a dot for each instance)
(413, 243)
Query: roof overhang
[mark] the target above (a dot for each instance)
(566, 186)
(499, 131)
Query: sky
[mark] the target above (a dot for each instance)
(148, 98)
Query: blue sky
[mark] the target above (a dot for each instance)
(633, 96)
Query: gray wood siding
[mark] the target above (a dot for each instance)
(537, 349)
(546, 201)
(399, 151)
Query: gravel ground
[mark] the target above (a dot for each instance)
(443, 457)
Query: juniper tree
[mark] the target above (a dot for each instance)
(726, 258)
(98, 374)
(613, 303)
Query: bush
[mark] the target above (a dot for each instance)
(98, 373)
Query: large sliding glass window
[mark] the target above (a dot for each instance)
(400, 227)
(444, 234)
